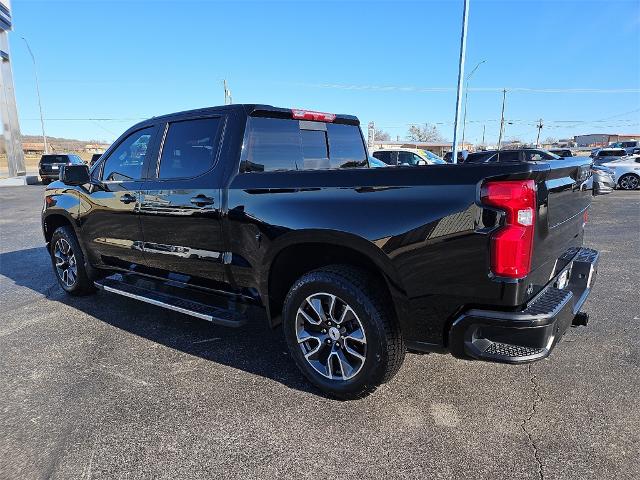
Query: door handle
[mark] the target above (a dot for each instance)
(202, 200)
(127, 198)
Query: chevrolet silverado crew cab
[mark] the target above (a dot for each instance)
(247, 213)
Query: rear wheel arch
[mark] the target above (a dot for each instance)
(294, 260)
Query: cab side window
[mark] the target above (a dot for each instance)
(126, 161)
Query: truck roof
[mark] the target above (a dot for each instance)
(258, 110)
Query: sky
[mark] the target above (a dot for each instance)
(104, 65)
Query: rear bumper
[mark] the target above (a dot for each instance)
(530, 334)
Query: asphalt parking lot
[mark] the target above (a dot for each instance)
(106, 387)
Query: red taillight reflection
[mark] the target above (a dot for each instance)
(512, 244)
(311, 115)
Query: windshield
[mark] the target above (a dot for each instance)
(432, 157)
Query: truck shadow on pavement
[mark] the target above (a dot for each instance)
(253, 348)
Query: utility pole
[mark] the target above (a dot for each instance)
(463, 50)
(483, 129)
(504, 97)
(466, 97)
(35, 72)
(540, 125)
(227, 93)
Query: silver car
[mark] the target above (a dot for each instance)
(606, 155)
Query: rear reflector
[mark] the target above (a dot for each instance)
(311, 115)
(512, 244)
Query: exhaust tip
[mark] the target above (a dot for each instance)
(580, 320)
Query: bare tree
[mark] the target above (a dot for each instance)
(381, 136)
(550, 141)
(424, 133)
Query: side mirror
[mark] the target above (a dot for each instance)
(422, 162)
(74, 174)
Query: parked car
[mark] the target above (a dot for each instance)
(603, 179)
(249, 212)
(94, 158)
(627, 172)
(407, 156)
(49, 165)
(462, 156)
(511, 155)
(606, 155)
(561, 152)
(628, 146)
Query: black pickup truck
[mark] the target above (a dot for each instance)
(242, 212)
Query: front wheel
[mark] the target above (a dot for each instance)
(341, 331)
(629, 181)
(68, 262)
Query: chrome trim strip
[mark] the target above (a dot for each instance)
(158, 303)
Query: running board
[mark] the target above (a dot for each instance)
(164, 296)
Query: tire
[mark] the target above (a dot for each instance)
(629, 181)
(68, 262)
(354, 344)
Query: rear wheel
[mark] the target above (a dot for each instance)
(68, 262)
(629, 181)
(341, 331)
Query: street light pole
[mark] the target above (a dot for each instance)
(35, 72)
(466, 97)
(463, 49)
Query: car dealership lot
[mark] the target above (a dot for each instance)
(104, 386)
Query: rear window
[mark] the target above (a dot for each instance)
(508, 157)
(611, 153)
(48, 159)
(273, 144)
(479, 157)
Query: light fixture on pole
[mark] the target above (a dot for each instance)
(466, 97)
(463, 49)
(35, 72)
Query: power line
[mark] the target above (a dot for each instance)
(410, 88)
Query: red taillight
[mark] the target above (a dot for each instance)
(512, 244)
(311, 115)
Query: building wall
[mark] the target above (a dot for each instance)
(8, 109)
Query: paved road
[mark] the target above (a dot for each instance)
(103, 387)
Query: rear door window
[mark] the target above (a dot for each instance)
(189, 148)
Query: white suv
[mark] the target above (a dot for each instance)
(407, 156)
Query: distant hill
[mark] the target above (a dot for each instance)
(63, 144)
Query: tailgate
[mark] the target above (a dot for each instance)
(564, 193)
